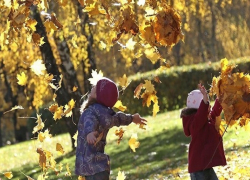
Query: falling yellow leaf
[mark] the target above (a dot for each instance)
(156, 109)
(103, 45)
(121, 176)
(95, 77)
(75, 89)
(31, 23)
(14, 108)
(22, 79)
(94, 9)
(59, 113)
(152, 55)
(40, 124)
(130, 44)
(133, 143)
(44, 135)
(38, 67)
(120, 106)
(149, 86)
(59, 148)
(137, 90)
(9, 175)
(123, 81)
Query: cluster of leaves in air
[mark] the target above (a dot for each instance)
(233, 90)
(160, 26)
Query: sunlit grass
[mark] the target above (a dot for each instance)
(162, 153)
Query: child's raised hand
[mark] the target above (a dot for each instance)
(91, 137)
(204, 92)
(137, 119)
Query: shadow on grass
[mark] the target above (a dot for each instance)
(161, 154)
(157, 154)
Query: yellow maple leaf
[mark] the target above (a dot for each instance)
(123, 81)
(121, 176)
(94, 9)
(9, 175)
(44, 135)
(40, 124)
(133, 143)
(149, 86)
(50, 26)
(22, 79)
(31, 23)
(59, 148)
(156, 109)
(68, 108)
(152, 55)
(59, 113)
(120, 106)
(95, 77)
(38, 67)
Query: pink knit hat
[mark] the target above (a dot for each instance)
(106, 92)
(194, 99)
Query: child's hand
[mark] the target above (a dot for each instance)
(137, 119)
(204, 92)
(91, 137)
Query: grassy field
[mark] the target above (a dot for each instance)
(162, 153)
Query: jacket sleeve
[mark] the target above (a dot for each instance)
(88, 123)
(200, 118)
(216, 111)
(120, 119)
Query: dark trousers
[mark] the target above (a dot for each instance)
(104, 175)
(207, 174)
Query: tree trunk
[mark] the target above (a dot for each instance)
(9, 97)
(63, 96)
(84, 22)
(200, 38)
(213, 32)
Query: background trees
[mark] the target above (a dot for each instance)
(72, 38)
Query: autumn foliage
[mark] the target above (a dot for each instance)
(233, 90)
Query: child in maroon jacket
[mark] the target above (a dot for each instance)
(206, 146)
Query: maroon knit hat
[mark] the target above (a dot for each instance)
(106, 92)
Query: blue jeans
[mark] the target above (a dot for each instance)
(207, 174)
(104, 175)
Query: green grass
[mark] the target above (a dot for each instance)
(162, 153)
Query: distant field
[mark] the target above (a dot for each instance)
(162, 153)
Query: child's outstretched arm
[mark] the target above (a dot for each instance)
(137, 119)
